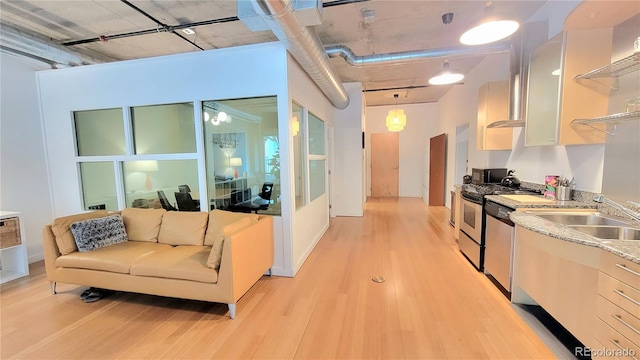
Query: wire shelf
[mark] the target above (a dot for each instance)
(618, 68)
(609, 119)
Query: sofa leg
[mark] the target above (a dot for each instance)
(53, 288)
(232, 311)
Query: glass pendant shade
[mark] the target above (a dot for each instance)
(490, 28)
(446, 76)
(489, 31)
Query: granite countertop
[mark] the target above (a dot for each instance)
(540, 203)
(627, 249)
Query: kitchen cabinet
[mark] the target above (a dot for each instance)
(560, 276)
(555, 97)
(13, 249)
(493, 105)
(618, 304)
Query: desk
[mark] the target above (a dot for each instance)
(221, 192)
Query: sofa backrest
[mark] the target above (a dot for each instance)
(183, 227)
(142, 224)
(61, 228)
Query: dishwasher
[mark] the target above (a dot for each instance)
(499, 234)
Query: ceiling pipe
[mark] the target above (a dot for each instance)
(23, 43)
(304, 46)
(413, 56)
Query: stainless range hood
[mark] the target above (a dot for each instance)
(523, 42)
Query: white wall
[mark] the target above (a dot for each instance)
(422, 124)
(310, 222)
(24, 184)
(348, 195)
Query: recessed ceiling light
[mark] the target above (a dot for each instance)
(188, 31)
(489, 29)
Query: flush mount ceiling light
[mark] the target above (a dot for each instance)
(446, 76)
(489, 29)
(396, 119)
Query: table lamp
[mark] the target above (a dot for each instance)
(235, 163)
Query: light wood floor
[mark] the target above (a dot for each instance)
(433, 305)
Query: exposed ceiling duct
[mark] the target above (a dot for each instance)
(304, 46)
(22, 43)
(412, 56)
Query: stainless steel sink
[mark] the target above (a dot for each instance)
(609, 232)
(578, 219)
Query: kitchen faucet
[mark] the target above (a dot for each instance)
(601, 199)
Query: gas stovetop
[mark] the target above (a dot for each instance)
(477, 192)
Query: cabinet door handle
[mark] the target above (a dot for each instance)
(626, 297)
(625, 351)
(619, 318)
(621, 266)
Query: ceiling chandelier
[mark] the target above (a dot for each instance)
(225, 141)
(396, 119)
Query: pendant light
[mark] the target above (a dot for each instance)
(396, 119)
(489, 29)
(446, 76)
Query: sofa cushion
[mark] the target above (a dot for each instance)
(143, 224)
(183, 228)
(213, 261)
(116, 258)
(61, 229)
(97, 233)
(218, 219)
(181, 262)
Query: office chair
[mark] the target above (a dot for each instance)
(265, 195)
(165, 202)
(184, 188)
(185, 202)
(260, 202)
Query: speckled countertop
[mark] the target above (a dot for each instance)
(628, 249)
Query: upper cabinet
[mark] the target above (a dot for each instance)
(493, 105)
(555, 98)
(568, 101)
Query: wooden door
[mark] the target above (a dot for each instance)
(437, 161)
(384, 164)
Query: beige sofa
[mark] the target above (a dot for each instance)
(174, 254)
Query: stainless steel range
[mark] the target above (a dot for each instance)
(473, 220)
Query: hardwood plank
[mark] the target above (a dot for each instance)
(433, 304)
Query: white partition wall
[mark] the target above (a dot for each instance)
(239, 72)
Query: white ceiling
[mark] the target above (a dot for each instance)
(400, 25)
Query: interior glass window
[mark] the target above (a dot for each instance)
(164, 129)
(317, 171)
(297, 121)
(99, 132)
(148, 182)
(316, 135)
(98, 180)
(242, 154)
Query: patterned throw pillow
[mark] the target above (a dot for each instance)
(97, 233)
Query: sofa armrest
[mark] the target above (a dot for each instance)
(246, 256)
(51, 252)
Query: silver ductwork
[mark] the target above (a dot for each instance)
(304, 46)
(23, 43)
(413, 56)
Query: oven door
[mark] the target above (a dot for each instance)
(471, 220)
